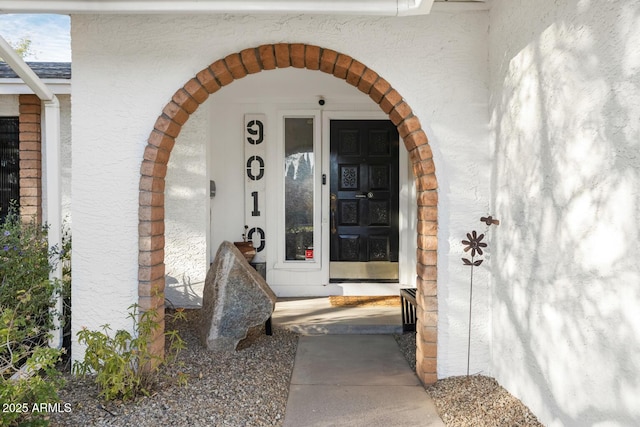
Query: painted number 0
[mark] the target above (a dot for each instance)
(250, 168)
(260, 231)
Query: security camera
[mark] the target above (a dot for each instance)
(321, 101)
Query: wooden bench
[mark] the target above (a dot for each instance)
(408, 305)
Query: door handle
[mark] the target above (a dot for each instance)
(334, 202)
(368, 195)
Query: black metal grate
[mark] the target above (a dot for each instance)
(9, 163)
(409, 309)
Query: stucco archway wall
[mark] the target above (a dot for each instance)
(222, 72)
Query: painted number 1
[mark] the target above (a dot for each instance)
(255, 211)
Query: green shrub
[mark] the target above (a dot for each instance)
(65, 260)
(19, 396)
(27, 299)
(123, 364)
(24, 271)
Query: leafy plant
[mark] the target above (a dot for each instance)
(65, 289)
(25, 264)
(27, 298)
(38, 382)
(123, 364)
(22, 47)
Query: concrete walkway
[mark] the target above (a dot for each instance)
(356, 380)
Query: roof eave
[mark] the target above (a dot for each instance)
(15, 86)
(352, 7)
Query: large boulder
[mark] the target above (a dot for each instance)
(236, 302)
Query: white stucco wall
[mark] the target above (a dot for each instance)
(187, 213)
(65, 156)
(9, 105)
(126, 68)
(565, 81)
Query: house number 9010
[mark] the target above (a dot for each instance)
(255, 184)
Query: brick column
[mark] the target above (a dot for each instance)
(30, 158)
(427, 295)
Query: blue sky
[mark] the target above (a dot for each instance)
(49, 34)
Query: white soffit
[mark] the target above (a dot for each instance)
(18, 87)
(352, 7)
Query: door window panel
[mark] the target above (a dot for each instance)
(299, 171)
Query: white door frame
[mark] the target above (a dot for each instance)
(314, 280)
(403, 222)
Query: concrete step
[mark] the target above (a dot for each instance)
(316, 316)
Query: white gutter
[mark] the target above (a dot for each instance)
(51, 137)
(331, 7)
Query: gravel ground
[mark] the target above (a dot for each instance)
(477, 400)
(250, 388)
(246, 388)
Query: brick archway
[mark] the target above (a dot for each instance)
(185, 101)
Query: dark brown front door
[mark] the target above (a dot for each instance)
(364, 197)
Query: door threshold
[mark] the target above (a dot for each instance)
(368, 287)
(371, 271)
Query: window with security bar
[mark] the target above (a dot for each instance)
(9, 164)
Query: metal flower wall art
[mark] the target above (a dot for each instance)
(475, 245)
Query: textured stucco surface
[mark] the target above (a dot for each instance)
(187, 214)
(565, 113)
(9, 106)
(126, 68)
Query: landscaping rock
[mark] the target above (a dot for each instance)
(236, 302)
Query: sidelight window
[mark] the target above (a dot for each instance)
(301, 189)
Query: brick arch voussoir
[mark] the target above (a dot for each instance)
(223, 72)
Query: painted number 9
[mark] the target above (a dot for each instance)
(254, 132)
